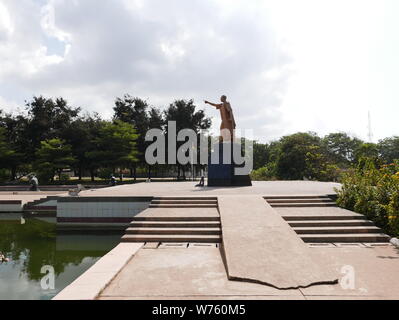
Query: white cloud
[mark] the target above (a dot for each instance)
(6, 25)
(285, 65)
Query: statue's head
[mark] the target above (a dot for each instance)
(223, 98)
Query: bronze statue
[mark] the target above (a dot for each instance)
(228, 124)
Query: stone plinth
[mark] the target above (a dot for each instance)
(221, 169)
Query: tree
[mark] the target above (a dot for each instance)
(80, 135)
(7, 154)
(318, 167)
(261, 155)
(133, 110)
(155, 119)
(389, 149)
(115, 145)
(366, 150)
(291, 162)
(15, 134)
(52, 157)
(341, 148)
(187, 117)
(47, 119)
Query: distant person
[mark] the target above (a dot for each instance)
(202, 181)
(113, 181)
(34, 183)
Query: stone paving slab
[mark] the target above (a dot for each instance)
(374, 272)
(89, 285)
(259, 246)
(198, 273)
(264, 188)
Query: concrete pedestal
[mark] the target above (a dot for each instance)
(221, 171)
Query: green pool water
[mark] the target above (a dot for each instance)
(33, 244)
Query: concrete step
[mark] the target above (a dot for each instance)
(183, 206)
(324, 217)
(35, 202)
(40, 208)
(303, 205)
(297, 197)
(174, 231)
(331, 223)
(171, 238)
(185, 198)
(350, 237)
(169, 219)
(40, 201)
(336, 230)
(313, 200)
(214, 202)
(175, 224)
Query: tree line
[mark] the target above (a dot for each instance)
(50, 136)
(305, 155)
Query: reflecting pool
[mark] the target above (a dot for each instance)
(36, 251)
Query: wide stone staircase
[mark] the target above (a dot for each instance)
(37, 208)
(177, 219)
(300, 201)
(317, 219)
(184, 202)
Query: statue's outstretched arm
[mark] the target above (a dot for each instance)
(214, 104)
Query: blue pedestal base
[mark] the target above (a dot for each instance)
(221, 174)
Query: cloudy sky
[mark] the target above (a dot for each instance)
(286, 66)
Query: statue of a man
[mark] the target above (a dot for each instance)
(228, 124)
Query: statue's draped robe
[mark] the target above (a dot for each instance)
(228, 124)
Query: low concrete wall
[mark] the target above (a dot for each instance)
(10, 206)
(99, 212)
(90, 284)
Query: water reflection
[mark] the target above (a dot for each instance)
(35, 244)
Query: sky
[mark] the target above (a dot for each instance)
(285, 65)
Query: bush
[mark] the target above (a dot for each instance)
(265, 173)
(373, 190)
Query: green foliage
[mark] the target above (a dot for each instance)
(318, 167)
(366, 150)
(265, 173)
(261, 155)
(389, 149)
(7, 154)
(105, 173)
(134, 111)
(184, 113)
(52, 157)
(340, 148)
(47, 119)
(115, 145)
(295, 154)
(80, 135)
(374, 192)
(94, 143)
